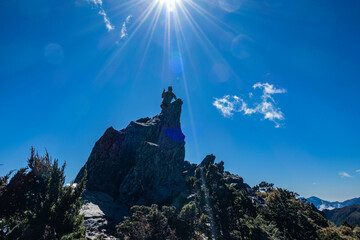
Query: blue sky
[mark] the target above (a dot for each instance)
(70, 69)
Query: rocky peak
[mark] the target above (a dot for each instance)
(141, 164)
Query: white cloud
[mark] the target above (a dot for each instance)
(358, 171)
(124, 32)
(98, 4)
(268, 89)
(344, 174)
(228, 105)
(106, 20)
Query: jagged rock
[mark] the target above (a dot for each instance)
(234, 180)
(139, 165)
(209, 159)
(142, 164)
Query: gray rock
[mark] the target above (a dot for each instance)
(101, 214)
(142, 164)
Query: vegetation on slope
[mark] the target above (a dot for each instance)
(217, 210)
(35, 204)
(350, 214)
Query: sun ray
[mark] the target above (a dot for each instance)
(125, 7)
(180, 40)
(176, 13)
(151, 32)
(202, 36)
(138, 24)
(209, 17)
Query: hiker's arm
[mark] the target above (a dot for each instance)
(162, 95)
(175, 97)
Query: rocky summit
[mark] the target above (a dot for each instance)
(142, 164)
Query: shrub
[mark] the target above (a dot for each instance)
(35, 204)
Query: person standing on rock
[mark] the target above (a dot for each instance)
(167, 98)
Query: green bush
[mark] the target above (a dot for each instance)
(217, 210)
(35, 204)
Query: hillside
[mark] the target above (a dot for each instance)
(350, 214)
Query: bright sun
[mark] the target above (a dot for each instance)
(169, 4)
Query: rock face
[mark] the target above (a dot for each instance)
(101, 215)
(141, 164)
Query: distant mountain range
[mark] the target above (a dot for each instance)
(351, 214)
(322, 204)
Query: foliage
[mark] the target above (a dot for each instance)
(147, 223)
(349, 215)
(217, 210)
(35, 204)
(264, 187)
(294, 218)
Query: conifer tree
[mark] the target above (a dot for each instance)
(35, 204)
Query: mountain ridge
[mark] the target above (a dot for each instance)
(350, 214)
(323, 204)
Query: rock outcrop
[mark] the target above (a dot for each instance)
(142, 164)
(139, 165)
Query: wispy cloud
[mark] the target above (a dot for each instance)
(344, 174)
(106, 20)
(228, 105)
(124, 32)
(358, 171)
(98, 4)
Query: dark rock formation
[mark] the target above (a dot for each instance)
(141, 164)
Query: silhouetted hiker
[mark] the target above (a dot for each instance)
(167, 98)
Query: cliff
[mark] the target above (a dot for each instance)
(142, 164)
